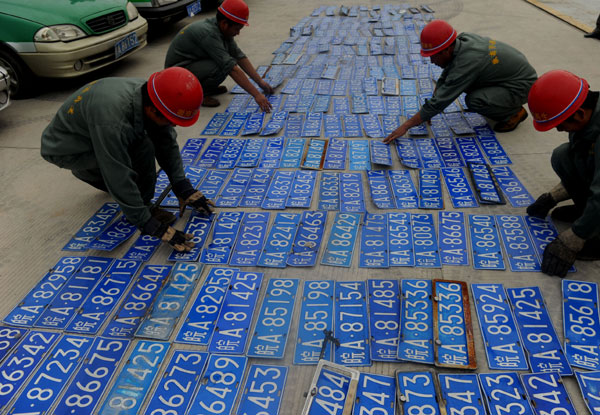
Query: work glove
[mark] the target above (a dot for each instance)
(560, 254)
(541, 206)
(187, 195)
(178, 240)
(163, 216)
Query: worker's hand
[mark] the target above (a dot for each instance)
(178, 240)
(560, 254)
(398, 132)
(268, 89)
(541, 206)
(163, 216)
(263, 103)
(198, 201)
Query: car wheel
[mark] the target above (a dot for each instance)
(21, 78)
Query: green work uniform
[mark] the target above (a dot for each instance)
(495, 76)
(202, 49)
(577, 163)
(99, 134)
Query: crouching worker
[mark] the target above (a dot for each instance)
(563, 100)
(110, 134)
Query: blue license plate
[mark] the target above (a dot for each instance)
(235, 124)
(539, 338)
(374, 244)
(170, 302)
(381, 191)
(389, 86)
(234, 190)
(93, 227)
(257, 187)
(493, 150)
(251, 153)
(351, 324)
(213, 182)
(400, 244)
(143, 248)
(469, 150)
(279, 241)
(216, 395)
(425, 241)
(460, 191)
(503, 346)
(485, 243)
(456, 121)
(232, 327)
(316, 315)
(137, 302)
(320, 105)
(461, 393)
(254, 123)
(452, 238)
(380, 153)
(417, 392)
(404, 189)
(329, 191)
(194, 175)
(485, 184)
(407, 152)
(376, 106)
(250, 241)
(306, 99)
(239, 103)
(302, 189)
(231, 154)
(504, 391)
(393, 105)
(162, 182)
(334, 390)
(351, 193)
(389, 123)
(384, 317)
(375, 394)
(352, 128)
(224, 234)
(104, 298)
(342, 238)
(547, 393)
(314, 155)
(216, 123)
(341, 106)
(123, 46)
(198, 225)
(589, 383)
(335, 159)
(178, 382)
(52, 376)
(340, 87)
(279, 190)
(324, 85)
(194, 8)
(275, 123)
(429, 153)
(274, 319)
(22, 361)
(519, 247)
(35, 302)
(61, 310)
(93, 376)
(113, 236)
(135, 379)
(294, 123)
(430, 189)
(199, 323)
(453, 329)
(449, 152)
(292, 86)
(307, 242)
(370, 85)
(359, 155)
(512, 187)
(542, 232)
(292, 154)
(9, 337)
(415, 342)
(263, 390)
(212, 153)
(372, 126)
(581, 323)
(312, 124)
(332, 125)
(359, 104)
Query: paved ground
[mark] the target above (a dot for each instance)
(42, 206)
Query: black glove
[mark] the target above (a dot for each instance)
(163, 216)
(202, 204)
(177, 239)
(187, 195)
(541, 206)
(558, 258)
(155, 227)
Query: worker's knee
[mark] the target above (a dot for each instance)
(560, 159)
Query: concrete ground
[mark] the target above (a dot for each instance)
(42, 206)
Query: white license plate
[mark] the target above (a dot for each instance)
(125, 45)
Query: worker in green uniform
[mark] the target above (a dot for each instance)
(495, 76)
(208, 50)
(563, 100)
(110, 134)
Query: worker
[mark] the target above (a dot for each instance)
(109, 134)
(208, 50)
(563, 100)
(595, 34)
(495, 76)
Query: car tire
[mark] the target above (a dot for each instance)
(22, 80)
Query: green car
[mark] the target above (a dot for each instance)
(65, 38)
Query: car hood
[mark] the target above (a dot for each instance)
(53, 12)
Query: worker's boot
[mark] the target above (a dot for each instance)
(511, 124)
(210, 102)
(221, 89)
(594, 34)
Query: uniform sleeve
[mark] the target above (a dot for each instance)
(452, 83)
(110, 147)
(168, 154)
(236, 52)
(216, 50)
(588, 226)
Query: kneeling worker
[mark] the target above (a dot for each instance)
(563, 100)
(208, 50)
(495, 76)
(110, 134)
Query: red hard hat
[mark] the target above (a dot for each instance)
(177, 94)
(235, 10)
(554, 97)
(436, 36)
